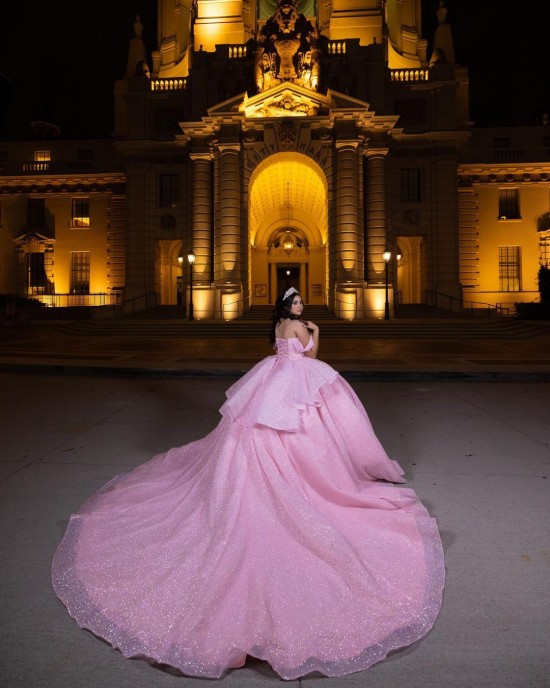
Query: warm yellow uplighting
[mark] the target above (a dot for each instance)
(218, 22)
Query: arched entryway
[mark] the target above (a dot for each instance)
(409, 269)
(288, 228)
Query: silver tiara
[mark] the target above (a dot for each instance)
(288, 292)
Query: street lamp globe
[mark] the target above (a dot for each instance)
(191, 260)
(386, 256)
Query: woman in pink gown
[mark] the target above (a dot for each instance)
(279, 535)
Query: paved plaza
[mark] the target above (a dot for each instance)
(473, 438)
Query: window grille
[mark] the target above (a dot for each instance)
(508, 204)
(410, 186)
(168, 195)
(80, 214)
(509, 268)
(36, 273)
(80, 272)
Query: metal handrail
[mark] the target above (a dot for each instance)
(337, 310)
(66, 299)
(466, 307)
(129, 305)
(240, 309)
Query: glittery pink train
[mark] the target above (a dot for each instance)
(278, 535)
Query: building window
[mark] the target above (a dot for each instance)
(80, 272)
(36, 273)
(410, 190)
(508, 268)
(545, 249)
(42, 156)
(168, 190)
(36, 213)
(508, 204)
(80, 213)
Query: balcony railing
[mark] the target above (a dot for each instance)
(409, 75)
(71, 300)
(168, 85)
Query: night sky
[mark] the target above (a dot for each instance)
(63, 66)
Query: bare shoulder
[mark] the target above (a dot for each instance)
(289, 328)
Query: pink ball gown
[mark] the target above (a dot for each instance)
(278, 535)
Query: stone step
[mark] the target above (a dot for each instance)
(313, 313)
(391, 329)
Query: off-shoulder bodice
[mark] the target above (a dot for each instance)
(292, 348)
(278, 389)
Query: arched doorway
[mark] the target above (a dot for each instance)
(172, 272)
(409, 269)
(288, 228)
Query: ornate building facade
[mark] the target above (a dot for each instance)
(283, 143)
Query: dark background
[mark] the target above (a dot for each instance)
(59, 60)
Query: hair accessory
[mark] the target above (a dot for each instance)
(289, 292)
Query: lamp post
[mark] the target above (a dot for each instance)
(386, 255)
(191, 259)
(179, 286)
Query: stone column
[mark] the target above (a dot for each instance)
(202, 217)
(230, 211)
(376, 214)
(377, 237)
(347, 243)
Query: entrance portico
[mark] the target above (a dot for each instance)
(300, 191)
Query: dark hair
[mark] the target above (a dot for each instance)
(281, 311)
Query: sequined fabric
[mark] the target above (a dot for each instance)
(273, 536)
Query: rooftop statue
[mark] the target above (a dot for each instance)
(287, 49)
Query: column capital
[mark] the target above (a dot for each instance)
(207, 156)
(224, 147)
(346, 144)
(373, 153)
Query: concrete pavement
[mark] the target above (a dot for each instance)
(523, 351)
(467, 419)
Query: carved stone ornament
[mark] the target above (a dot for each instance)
(168, 224)
(287, 103)
(251, 135)
(411, 217)
(287, 134)
(323, 133)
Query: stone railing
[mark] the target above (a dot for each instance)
(236, 51)
(409, 75)
(167, 85)
(337, 47)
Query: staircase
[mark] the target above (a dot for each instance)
(420, 310)
(331, 328)
(157, 313)
(264, 313)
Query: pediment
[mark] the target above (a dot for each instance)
(31, 237)
(287, 99)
